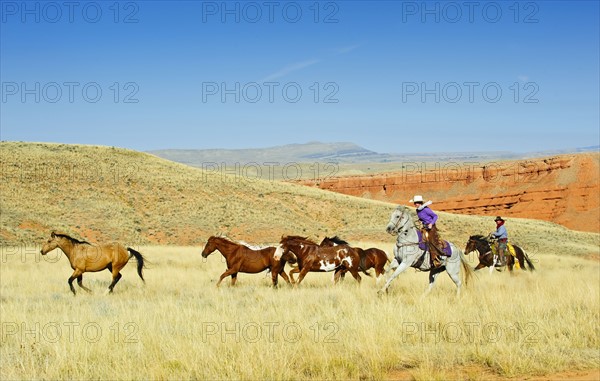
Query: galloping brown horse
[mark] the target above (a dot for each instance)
(85, 257)
(312, 257)
(242, 259)
(369, 258)
(481, 244)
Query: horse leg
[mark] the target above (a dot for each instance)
(74, 276)
(399, 270)
(116, 277)
(292, 272)
(493, 266)
(455, 276)
(393, 265)
(355, 274)
(224, 275)
(233, 279)
(432, 276)
(338, 275)
(379, 272)
(80, 283)
(285, 276)
(303, 273)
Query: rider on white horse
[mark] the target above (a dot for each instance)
(430, 233)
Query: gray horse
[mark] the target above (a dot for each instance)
(408, 254)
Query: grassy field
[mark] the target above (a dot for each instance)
(180, 326)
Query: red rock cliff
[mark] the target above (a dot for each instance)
(562, 189)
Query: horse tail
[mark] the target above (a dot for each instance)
(140, 261)
(526, 257)
(466, 268)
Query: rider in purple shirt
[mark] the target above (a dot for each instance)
(428, 218)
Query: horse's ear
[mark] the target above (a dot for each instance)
(53, 234)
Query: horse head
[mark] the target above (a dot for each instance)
(50, 244)
(477, 242)
(55, 240)
(398, 220)
(292, 244)
(210, 247)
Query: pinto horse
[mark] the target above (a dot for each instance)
(243, 259)
(312, 257)
(407, 253)
(369, 258)
(85, 257)
(487, 258)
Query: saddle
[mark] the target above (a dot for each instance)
(423, 245)
(511, 250)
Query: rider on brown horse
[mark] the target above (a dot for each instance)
(502, 236)
(430, 233)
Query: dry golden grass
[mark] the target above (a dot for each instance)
(179, 326)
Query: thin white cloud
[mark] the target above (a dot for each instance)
(523, 78)
(290, 69)
(347, 49)
(304, 64)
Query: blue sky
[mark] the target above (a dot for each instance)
(392, 76)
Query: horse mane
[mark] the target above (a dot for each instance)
(298, 238)
(478, 237)
(243, 243)
(74, 240)
(253, 247)
(337, 240)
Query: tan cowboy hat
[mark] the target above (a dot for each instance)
(417, 198)
(498, 219)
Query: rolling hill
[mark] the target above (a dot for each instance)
(311, 152)
(104, 193)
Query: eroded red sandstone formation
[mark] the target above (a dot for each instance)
(562, 189)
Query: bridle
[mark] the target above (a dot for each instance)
(397, 230)
(477, 246)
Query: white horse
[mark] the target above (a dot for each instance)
(408, 254)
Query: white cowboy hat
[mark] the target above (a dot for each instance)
(417, 198)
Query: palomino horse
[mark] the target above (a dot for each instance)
(85, 257)
(408, 254)
(369, 258)
(312, 257)
(243, 259)
(487, 258)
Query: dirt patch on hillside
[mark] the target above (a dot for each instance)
(562, 189)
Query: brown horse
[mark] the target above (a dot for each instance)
(312, 257)
(242, 259)
(481, 244)
(369, 258)
(85, 257)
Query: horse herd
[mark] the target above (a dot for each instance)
(331, 255)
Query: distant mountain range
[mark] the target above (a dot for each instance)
(340, 152)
